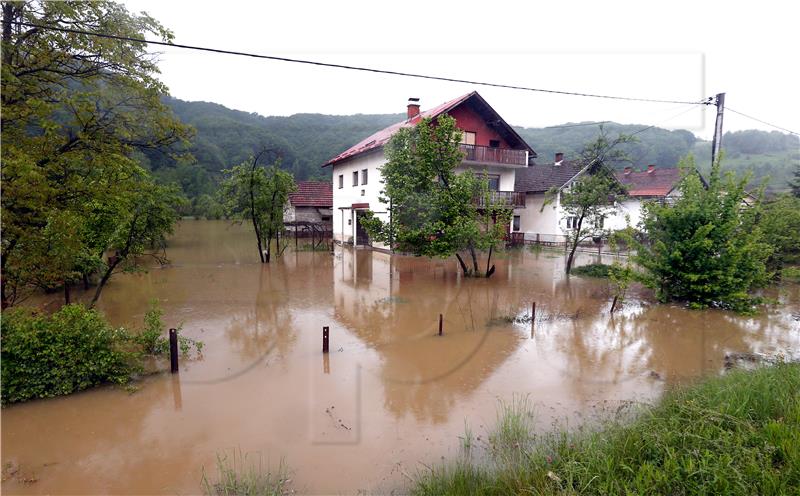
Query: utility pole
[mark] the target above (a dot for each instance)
(716, 145)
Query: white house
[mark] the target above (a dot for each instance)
(490, 145)
(537, 221)
(549, 223)
(646, 185)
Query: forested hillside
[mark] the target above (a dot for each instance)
(226, 137)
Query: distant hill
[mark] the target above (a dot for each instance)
(226, 137)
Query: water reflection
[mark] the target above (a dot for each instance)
(390, 391)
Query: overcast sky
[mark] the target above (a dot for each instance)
(677, 50)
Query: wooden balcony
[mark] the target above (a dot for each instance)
(489, 155)
(508, 199)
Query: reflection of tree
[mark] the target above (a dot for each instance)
(267, 329)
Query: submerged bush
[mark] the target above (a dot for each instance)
(736, 434)
(593, 270)
(71, 350)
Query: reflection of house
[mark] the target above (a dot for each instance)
(540, 222)
(490, 145)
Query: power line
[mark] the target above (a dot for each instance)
(762, 122)
(577, 125)
(355, 68)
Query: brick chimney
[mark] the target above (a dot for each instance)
(628, 170)
(559, 158)
(413, 107)
(651, 168)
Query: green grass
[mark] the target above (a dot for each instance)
(735, 434)
(238, 474)
(790, 274)
(593, 270)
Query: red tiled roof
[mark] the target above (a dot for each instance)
(659, 182)
(312, 194)
(383, 136)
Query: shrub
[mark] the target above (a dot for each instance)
(71, 350)
(593, 270)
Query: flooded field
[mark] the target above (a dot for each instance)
(391, 395)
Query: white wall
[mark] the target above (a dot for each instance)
(547, 221)
(631, 207)
(506, 174)
(345, 197)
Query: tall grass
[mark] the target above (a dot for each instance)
(239, 475)
(736, 434)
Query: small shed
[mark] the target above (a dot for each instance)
(311, 203)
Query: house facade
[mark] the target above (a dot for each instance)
(489, 144)
(543, 220)
(659, 184)
(548, 223)
(311, 203)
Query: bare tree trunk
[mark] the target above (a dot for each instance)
(614, 304)
(489, 261)
(462, 264)
(104, 280)
(474, 259)
(85, 281)
(66, 292)
(575, 243)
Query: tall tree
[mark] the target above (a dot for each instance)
(434, 210)
(706, 248)
(75, 111)
(795, 184)
(588, 199)
(258, 195)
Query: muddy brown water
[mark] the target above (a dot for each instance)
(391, 396)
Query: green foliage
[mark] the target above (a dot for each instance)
(780, 223)
(434, 209)
(594, 270)
(71, 350)
(239, 475)
(78, 112)
(795, 183)
(259, 196)
(705, 248)
(737, 435)
(153, 339)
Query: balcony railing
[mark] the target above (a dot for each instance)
(489, 155)
(508, 199)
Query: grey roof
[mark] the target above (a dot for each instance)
(539, 178)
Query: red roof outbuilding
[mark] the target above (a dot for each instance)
(312, 194)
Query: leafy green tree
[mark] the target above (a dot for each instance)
(592, 196)
(434, 210)
(780, 223)
(141, 222)
(706, 248)
(258, 195)
(795, 184)
(76, 111)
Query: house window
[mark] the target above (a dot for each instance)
(598, 223)
(355, 178)
(572, 222)
(494, 183)
(516, 223)
(467, 137)
(341, 181)
(363, 177)
(494, 143)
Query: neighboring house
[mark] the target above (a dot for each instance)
(540, 222)
(549, 223)
(642, 186)
(311, 203)
(489, 144)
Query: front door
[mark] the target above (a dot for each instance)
(362, 238)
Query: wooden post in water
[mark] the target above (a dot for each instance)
(325, 333)
(533, 318)
(440, 324)
(173, 350)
